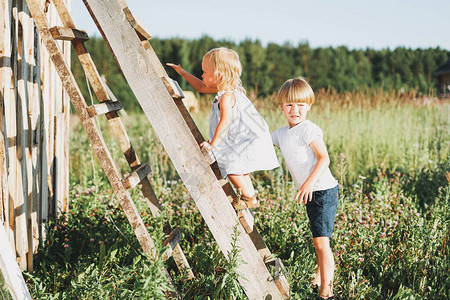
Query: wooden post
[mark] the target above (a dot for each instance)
(11, 273)
(181, 146)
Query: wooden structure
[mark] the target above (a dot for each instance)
(34, 117)
(443, 76)
(161, 101)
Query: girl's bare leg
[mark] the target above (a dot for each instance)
(242, 183)
(326, 265)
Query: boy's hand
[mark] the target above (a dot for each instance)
(304, 194)
(177, 68)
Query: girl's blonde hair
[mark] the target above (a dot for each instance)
(226, 62)
(296, 90)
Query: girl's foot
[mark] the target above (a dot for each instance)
(244, 202)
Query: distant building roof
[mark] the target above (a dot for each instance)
(443, 69)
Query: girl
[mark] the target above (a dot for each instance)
(238, 135)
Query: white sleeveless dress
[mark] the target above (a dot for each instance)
(247, 144)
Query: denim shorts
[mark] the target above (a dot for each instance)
(322, 211)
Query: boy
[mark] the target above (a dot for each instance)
(307, 160)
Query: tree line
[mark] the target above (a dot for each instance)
(266, 67)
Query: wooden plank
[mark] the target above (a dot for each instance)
(20, 203)
(27, 132)
(11, 272)
(181, 146)
(104, 108)
(4, 68)
(9, 117)
(172, 240)
(68, 34)
(59, 169)
(136, 176)
(34, 117)
(280, 279)
(135, 22)
(44, 147)
(173, 88)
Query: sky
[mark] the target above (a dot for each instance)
(357, 24)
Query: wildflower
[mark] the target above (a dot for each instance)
(65, 245)
(361, 259)
(91, 240)
(380, 246)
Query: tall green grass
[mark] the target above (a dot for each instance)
(389, 152)
(366, 130)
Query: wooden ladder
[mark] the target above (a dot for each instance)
(139, 172)
(178, 133)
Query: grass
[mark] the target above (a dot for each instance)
(390, 154)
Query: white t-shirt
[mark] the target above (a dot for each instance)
(300, 158)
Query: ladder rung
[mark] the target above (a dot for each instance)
(247, 219)
(138, 25)
(104, 108)
(135, 177)
(171, 241)
(173, 88)
(280, 279)
(68, 34)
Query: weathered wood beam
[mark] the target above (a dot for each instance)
(280, 279)
(173, 88)
(172, 241)
(136, 176)
(10, 270)
(135, 22)
(104, 108)
(69, 34)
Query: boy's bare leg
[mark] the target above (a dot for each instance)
(326, 265)
(242, 183)
(317, 269)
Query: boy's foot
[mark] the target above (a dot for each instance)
(244, 202)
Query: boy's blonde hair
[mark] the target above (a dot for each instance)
(296, 90)
(226, 61)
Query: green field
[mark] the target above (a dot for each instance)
(390, 153)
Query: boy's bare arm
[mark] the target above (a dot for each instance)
(196, 83)
(320, 150)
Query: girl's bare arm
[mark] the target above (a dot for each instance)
(196, 83)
